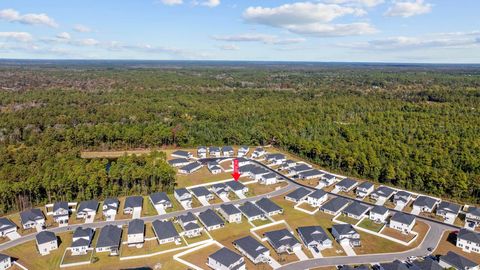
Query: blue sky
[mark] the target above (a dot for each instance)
(442, 31)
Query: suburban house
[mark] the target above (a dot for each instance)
(190, 167)
(136, 233)
(317, 198)
(426, 264)
(224, 259)
(356, 210)
(109, 240)
(160, 200)
(165, 232)
(110, 208)
(395, 265)
(214, 167)
(287, 164)
(227, 151)
(335, 205)
(401, 198)
(424, 204)
(5, 262)
(295, 170)
(133, 204)
(87, 209)
(251, 211)
(242, 161)
(81, 240)
(237, 187)
(379, 214)
(298, 195)
(268, 179)
(275, 159)
(178, 162)
(32, 218)
(346, 234)
(472, 218)
(258, 152)
(252, 249)
(468, 241)
(61, 212)
(346, 185)
(211, 220)
(256, 172)
(268, 207)
(456, 261)
(449, 211)
(214, 151)
(220, 189)
(402, 222)
(243, 150)
(328, 179)
(7, 226)
(202, 193)
(202, 151)
(189, 225)
(46, 242)
(183, 197)
(182, 154)
(310, 174)
(230, 213)
(314, 237)
(283, 241)
(364, 189)
(382, 194)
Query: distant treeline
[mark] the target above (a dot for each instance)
(411, 129)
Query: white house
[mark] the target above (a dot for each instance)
(468, 241)
(364, 189)
(160, 201)
(310, 174)
(230, 213)
(424, 204)
(133, 204)
(382, 194)
(258, 152)
(243, 150)
(136, 233)
(298, 195)
(268, 179)
(455, 261)
(317, 198)
(32, 218)
(5, 262)
(356, 210)
(46, 242)
(379, 214)
(109, 240)
(202, 152)
(328, 179)
(252, 249)
(87, 209)
(449, 211)
(402, 222)
(190, 168)
(251, 211)
(182, 154)
(472, 218)
(401, 198)
(110, 208)
(178, 162)
(275, 159)
(237, 187)
(227, 151)
(165, 232)
(346, 185)
(61, 212)
(82, 238)
(214, 167)
(346, 234)
(7, 227)
(183, 197)
(315, 237)
(211, 220)
(283, 241)
(225, 259)
(189, 225)
(214, 151)
(269, 207)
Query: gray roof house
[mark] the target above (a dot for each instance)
(402, 222)
(110, 208)
(472, 219)
(109, 239)
(6, 226)
(202, 192)
(178, 162)
(136, 232)
(298, 195)
(317, 197)
(283, 241)
(190, 167)
(236, 186)
(314, 236)
(252, 249)
(335, 205)
(270, 208)
(395, 265)
(454, 260)
(165, 232)
(182, 154)
(224, 258)
(310, 174)
(31, 218)
(468, 240)
(87, 209)
(299, 168)
(448, 210)
(230, 213)
(356, 210)
(251, 211)
(424, 204)
(345, 233)
(211, 220)
(82, 237)
(5, 261)
(379, 214)
(182, 194)
(131, 203)
(46, 242)
(382, 193)
(160, 199)
(364, 189)
(426, 264)
(187, 218)
(346, 185)
(402, 197)
(220, 189)
(227, 151)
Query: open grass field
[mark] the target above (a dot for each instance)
(202, 237)
(200, 257)
(398, 235)
(307, 207)
(347, 219)
(149, 247)
(201, 176)
(261, 222)
(258, 189)
(271, 228)
(370, 225)
(69, 258)
(448, 243)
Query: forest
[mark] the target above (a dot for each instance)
(412, 127)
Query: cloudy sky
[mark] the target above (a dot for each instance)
(445, 31)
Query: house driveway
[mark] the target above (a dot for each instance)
(335, 190)
(185, 206)
(13, 235)
(415, 211)
(348, 249)
(137, 212)
(316, 254)
(160, 209)
(273, 263)
(224, 198)
(449, 220)
(240, 195)
(301, 255)
(399, 207)
(90, 219)
(381, 201)
(203, 201)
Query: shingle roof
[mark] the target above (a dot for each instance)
(111, 201)
(384, 191)
(395, 265)
(365, 185)
(164, 229)
(181, 153)
(379, 209)
(403, 218)
(474, 210)
(250, 210)
(136, 226)
(191, 226)
(209, 218)
(191, 166)
(235, 185)
(343, 229)
(469, 235)
(268, 206)
(300, 168)
(427, 264)
(45, 237)
(281, 237)
(189, 217)
(298, 193)
(346, 183)
(403, 194)
(311, 234)
(159, 197)
(225, 256)
(308, 173)
(31, 215)
(317, 194)
(82, 232)
(328, 176)
(60, 205)
(3, 257)
(449, 207)
(251, 246)
(335, 204)
(178, 161)
(258, 170)
(200, 191)
(88, 205)
(227, 149)
(230, 209)
(133, 201)
(269, 175)
(424, 201)
(457, 261)
(214, 149)
(181, 191)
(110, 236)
(6, 224)
(81, 242)
(356, 209)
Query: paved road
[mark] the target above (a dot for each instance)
(101, 224)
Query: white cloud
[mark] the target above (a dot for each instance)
(332, 30)
(408, 8)
(82, 28)
(264, 38)
(171, 2)
(12, 15)
(367, 3)
(207, 3)
(64, 36)
(87, 42)
(229, 47)
(16, 36)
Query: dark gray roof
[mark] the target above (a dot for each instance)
(395, 265)
(310, 234)
(365, 185)
(235, 185)
(259, 170)
(111, 201)
(384, 191)
(250, 209)
(427, 264)
(45, 237)
(346, 183)
(226, 257)
(191, 166)
(189, 217)
(202, 148)
(356, 209)
(298, 193)
(110, 236)
(270, 175)
(178, 161)
(6, 224)
(133, 201)
(281, 238)
(473, 210)
(214, 149)
(310, 173)
(267, 205)
(275, 156)
(82, 232)
(230, 209)
(31, 215)
(60, 205)
(449, 207)
(181, 153)
(403, 218)
(343, 229)
(200, 191)
(317, 194)
(191, 226)
(247, 168)
(457, 261)
(227, 149)
(424, 201)
(335, 204)
(3, 257)
(379, 209)
(403, 194)
(136, 226)
(159, 197)
(209, 218)
(82, 242)
(181, 191)
(244, 148)
(88, 205)
(259, 149)
(328, 176)
(164, 229)
(251, 246)
(301, 167)
(469, 235)
(219, 186)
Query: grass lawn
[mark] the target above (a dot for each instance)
(149, 230)
(307, 207)
(202, 237)
(310, 182)
(69, 258)
(271, 228)
(200, 177)
(397, 234)
(260, 222)
(176, 206)
(258, 189)
(120, 215)
(448, 243)
(370, 225)
(199, 257)
(149, 247)
(347, 219)
(148, 209)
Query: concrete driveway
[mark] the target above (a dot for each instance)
(348, 249)
(274, 264)
(137, 212)
(240, 195)
(301, 255)
(203, 201)
(380, 201)
(90, 219)
(316, 254)
(13, 235)
(415, 212)
(224, 198)
(160, 209)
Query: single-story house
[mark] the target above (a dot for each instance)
(136, 232)
(7, 226)
(46, 242)
(230, 213)
(133, 203)
(211, 220)
(356, 210)
(346, 185)
(317, 198)
(82, 238)
(310, 174)
(424, 204)
(109, 240)
(379, 214)
(224, 259)
(32, 218)
(402, 222)
(252, 249)
(298, 195)
(468, 241)
(283, 241)
(364, 189)
(178, 162)
(314, 237)
(190, 167)
(87, 209)
(165, 232)
(251, 211)
(456, 261)
(269, 207)
(346, 234)
(335, 205)
(182, 154)
(110, 208)
(299, 168)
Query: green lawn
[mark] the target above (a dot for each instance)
(69, 258)
(260, 222)
(370, 225)
(347, 219)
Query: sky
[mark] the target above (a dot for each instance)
(403, 31)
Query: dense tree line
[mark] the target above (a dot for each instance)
(409, 128)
